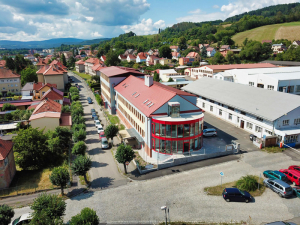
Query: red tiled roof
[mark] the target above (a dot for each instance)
(158, 94)
(239, 66)
(118, 70)
(209, 49)
(192, 54)
(41, 62)
(39, 85)
(97, 67)
(173, 47)
(32, 107)
(54, 70)
(5, 148)
(66, 119)
(55, 62)
(225, 46)
(175, 54)
(18, 103)
(131, 56)
(6, 73)
(123, 56)
(80, 62)
(103, 57)
(47, 105)
(142, 57)
(2, 63)
(53, 94)
(93, 61)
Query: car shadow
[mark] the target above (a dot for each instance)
(95, 151)
(92, 141)
(98, 165)
(102, 182)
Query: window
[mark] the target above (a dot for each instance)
(162, 146)
(232, 109)
(179, 146)
(211, 108)
(268, 132)
(2, 80)
(270, 87)
(186, 130)
(251, 84)
(285, 122)
(260, 119)
(249, 125)
(168, 131)
(174, 111)
(16, 85)
(220, 112)
(290, 89)
(243, 113)
(11, 85)
(258, 129)
(297, 121)
(174, 146)
(297, 88)
(157, 144)
(280, 89)
(162, 130)
(3, 88)
(168, 147)
(157, 129)
(230, 116)
(196, 128)
(174, 131)
(192, 133)
(203, 105)
(180, 130)
(291, 138)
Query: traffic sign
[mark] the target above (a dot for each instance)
(127, 163)
(222, 174)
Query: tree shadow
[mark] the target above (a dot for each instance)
(98, 165)
(102, 182)
(92, 141)
(91, 132)
(95, 151)
(85, 195)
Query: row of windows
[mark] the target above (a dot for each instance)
(287, 122)
(104, 86)
(289, 89)
(291, 138)
(257, 128)
(173, 147)
(132, 121)
(106, 96)
(14, 80)
(137, 114)
(104, 77)
(176, 131)
(12, 90)
(202, 71)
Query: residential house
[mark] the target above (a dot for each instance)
(103, 58)
(55, 62)
(225, 47)
(254, 110)
(156, 115)
(194, 55)
(131, 58)
(129, 52)
(295, 43)
(2, 63)
(89, 63)
(203, 45)
(141, 57)
(164, 75)
(56, 95)
(178, 83)
(225, 52)
(209, 70)
(174, 48)
(68, 55)
(53, 74)
(186, 61)
(152, 60)
(210, 52)
(187, 71)
(96, 69)
(197, 49)
(9, 82)
(165, 61)
(48, 115)
(122, 57)
(80, 66)
(176, 55)
(278, 48)
(41, 63)
(39, 89)
(27, 90)
(7, 163)
(150, 52)
(109, 78)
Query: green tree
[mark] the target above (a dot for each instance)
(79, 148)
(156, 76)
(203, 53)
(63, 59)
(195, 64)
(112, 59)
(136, 66)
(36, 55)
(81, 165)
(49, 207)
(165, 52)
(227, 41)
(30, 148)
(65, 109)
(170, 79)
(111, 131)
(10, 64)
(79, 135)
(247, 183)
(230, 57)
(8, 106)
(64, 135)
(77, 127)
(106, 48)
(124, 154)
(219, 57)
(87, 216)
(60, 177)
(75, 97)
(28, 75)
(182, 43)
(6, 214)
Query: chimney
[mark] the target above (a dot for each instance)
(148, 80)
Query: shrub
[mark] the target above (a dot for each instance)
(8, 106)
(79, 148)
(79, 135)
(8, 116)
(98, 99)
(87, 216)
(66, 109)
(6, 213)
(75, 97)
(77, 127)
(73, 90)
(247, 183)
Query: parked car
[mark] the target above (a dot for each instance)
(88, 98)
(294, 168)
(97, 123)
(104, 143)
(252, 137)
(101, 135)
(292, 175)
(274, 174)
(296, 191)
(100, 129)
(210, 132)
(90, 101)
(236, 195)
(94, 114)
(96, 118)
(281, 223)
(93, 110)
(22, 220)
(279, 186)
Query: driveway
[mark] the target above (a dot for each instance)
(104, 172)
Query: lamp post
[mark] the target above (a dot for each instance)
(165, 208)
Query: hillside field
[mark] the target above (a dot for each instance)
(290, 31)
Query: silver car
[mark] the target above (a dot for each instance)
(279, 187)
(210, 132)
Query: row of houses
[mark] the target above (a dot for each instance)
(91, 66)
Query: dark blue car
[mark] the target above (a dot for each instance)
(236, 195)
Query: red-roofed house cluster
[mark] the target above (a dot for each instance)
(9, 81)
(91, 66)
(163, 120)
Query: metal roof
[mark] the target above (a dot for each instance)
(133, 133)
(282, 63)
(260, 102)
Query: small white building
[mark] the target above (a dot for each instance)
(164, 75)
(223, 76)
(256, 110)
(278, 48)
(210, 52)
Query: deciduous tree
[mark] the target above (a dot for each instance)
(79, 148)
(28, 75)
(87, 216)
(124, 154)
(81, 165)
(60, 177)
(6, 213)
(111, 131)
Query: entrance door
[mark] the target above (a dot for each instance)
(186, 147)
(242, 124)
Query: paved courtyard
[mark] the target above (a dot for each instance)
(183, 193)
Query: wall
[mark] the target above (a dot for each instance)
(56, 79)
(47, 123)
(25, 93)
(65, 78)
(8, 172)
(11, 85)
(44, 89)
(41, 78)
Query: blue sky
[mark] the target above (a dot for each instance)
(26, 20)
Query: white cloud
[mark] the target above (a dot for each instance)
(216, 6)
(145, 27)
(202, 17)
(197, 11)
(241, 6)
(96, 34)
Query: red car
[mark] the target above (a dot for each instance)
(297, 168)
(101, 135)
(292, 175)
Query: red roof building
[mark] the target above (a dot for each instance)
(7, 163)
(2, 63)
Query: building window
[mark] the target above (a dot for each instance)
(211, 108)
(196, 128)
(298, 88)
(192, 131)
(168, 131)
(16, 85)
(249, 126)
(268, 132)
(230, 116)
(174, 146)
(220, 112)
(174, 131)
(259, 119)
(251, 84)
(162, 146)
(186, 132)
(157, 129)
(291, 138)
(162, 130)
(203, 105)
(290, 89)
(285, 122)
(297, 121)
(280, 89)
(157, 144)
(243, 113)
(180, 130)
(270, 87)
(258, 129)
(174, 111)
(3, 88)
(168, 147)
(2, 80)
(232, 109)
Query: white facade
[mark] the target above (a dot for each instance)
(211, 53)
(164, 75)
(139, 60)
(223, 76)
(201, 72)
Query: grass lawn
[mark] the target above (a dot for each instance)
(274, 149)
(113, 119)
(82, 75)
(288, 31)
(217, 190)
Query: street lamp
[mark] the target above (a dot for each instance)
(165, 208)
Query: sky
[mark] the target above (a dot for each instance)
(34, 20)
